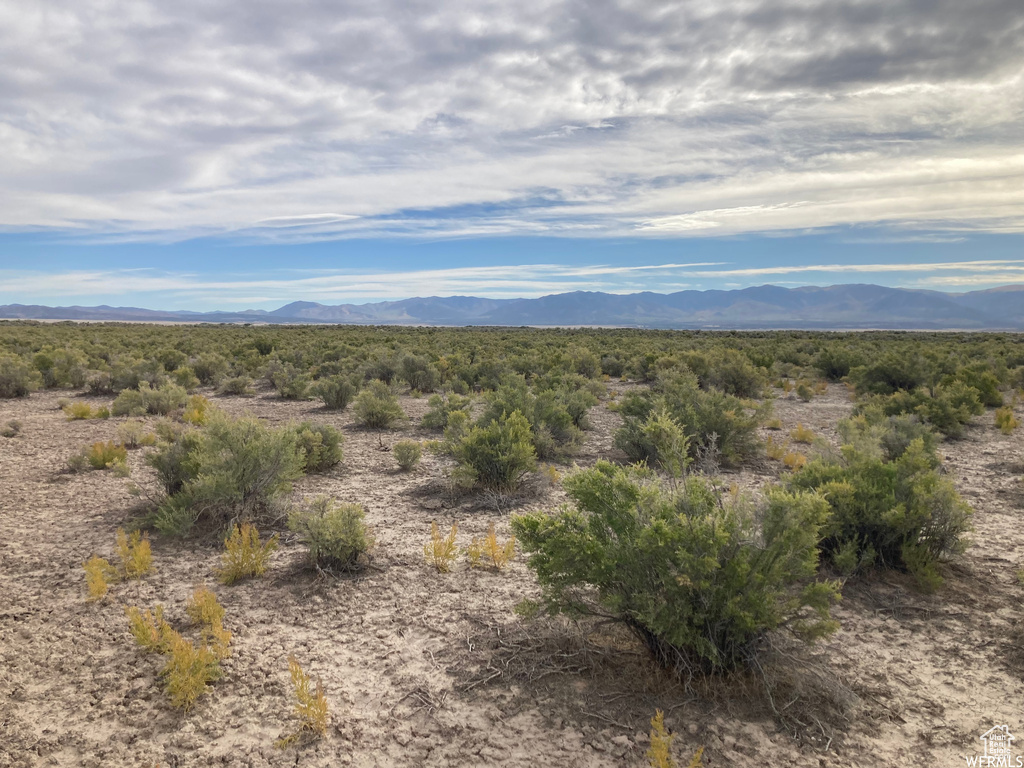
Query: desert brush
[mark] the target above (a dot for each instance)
(245, 555)
(310, 706)
(441, 551)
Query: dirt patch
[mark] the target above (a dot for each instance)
(428, 669)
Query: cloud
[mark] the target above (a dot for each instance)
(416, 119)
(194, 291)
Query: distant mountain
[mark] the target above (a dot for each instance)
(762, 307)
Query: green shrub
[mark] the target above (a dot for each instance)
(899, 514)
(553, 430)
(983, 380)
(130, 402)
(407, 453)
(163, 400)
(11, 428)
(712, 420)
(336, 392)
(209, 368)
(237, 385)
(320, 445)
(185, 378)
(441, 407)
(498, 455)
(948, 409)
(377, 407)
(234, 470)
(133, 434)
(336, 535)
(290, 383)
(17, 378)
(177, 460)
(835, 363)
(890, 373)
(686, 570)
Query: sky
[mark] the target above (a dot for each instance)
(210, 154)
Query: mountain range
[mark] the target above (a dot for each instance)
(763, 307)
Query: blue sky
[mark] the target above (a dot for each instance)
(227, 154)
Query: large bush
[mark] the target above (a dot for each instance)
(900, 514)
(234, 470)
(692, 573)
(497, 455)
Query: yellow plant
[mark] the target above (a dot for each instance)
(203, 607)
(551, 474)
(441, 551)
(149, 629)
(205, 611)
(244, 554)
(188, 670)
(103, 455)
(97, 571)
(658, 754)
(310, 706)
(802, 435)
(821, 387)
(217, 639)
(134, 553)
(774, 424)
(197, 411)
(75, 411)
(774, 450)
(489, 552)
(1005, 420)
(794, 460)
(787, 385)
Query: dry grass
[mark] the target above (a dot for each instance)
(775, 451)
(188, 671)
(97, 573)
(149, 629)
(794, 460)
(489, 552)
(802, 435)
(441, 551)
(310, 706)
(1005, 420)
(134, 553)
(245, 556)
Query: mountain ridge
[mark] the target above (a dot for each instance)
(849, 306)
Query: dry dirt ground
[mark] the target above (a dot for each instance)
(431, 669)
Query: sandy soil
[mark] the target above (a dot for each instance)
(428, 669)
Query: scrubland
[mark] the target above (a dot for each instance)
(377, 546)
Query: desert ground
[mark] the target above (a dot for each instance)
(429, 669)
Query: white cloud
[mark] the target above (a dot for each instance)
(618, 117)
